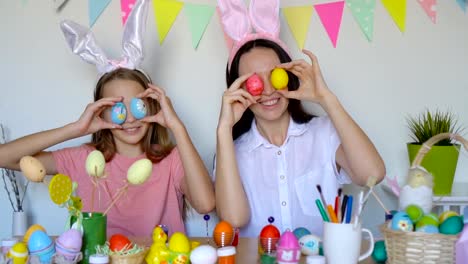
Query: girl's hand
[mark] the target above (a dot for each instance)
(312, 85)
(235, 101)
(167, 116)
(91, 121)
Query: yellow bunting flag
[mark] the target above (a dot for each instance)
(166, 12)
(298, 19)
(396, 9)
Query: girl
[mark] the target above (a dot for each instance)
(271, 154)
(178, 172)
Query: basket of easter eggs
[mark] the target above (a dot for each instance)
(123, 251)
(414, 234)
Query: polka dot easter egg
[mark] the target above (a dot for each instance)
(119, 113)
(138, 108)
(402, 222)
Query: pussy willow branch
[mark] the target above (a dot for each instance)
(8, 191)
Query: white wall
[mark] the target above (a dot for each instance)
(45, 86)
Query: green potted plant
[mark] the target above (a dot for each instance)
(441, 160)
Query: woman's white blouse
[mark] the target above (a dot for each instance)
(281, 181)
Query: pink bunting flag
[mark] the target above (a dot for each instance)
(126, 7)
(330, 14)
(430, 8)
(227, 39)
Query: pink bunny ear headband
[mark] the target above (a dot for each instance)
(81, 41)
(237, 22)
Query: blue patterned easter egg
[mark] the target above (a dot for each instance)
(401, 221)
(430, 229)
(138, 108)
(119, 113)
(300, 232)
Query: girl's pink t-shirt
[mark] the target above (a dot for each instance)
(141, 207)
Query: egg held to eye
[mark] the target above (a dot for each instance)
(279, 78)
(254, 85)
(119, 113)
(138, 108)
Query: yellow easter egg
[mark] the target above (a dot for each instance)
(279, 78)
(60, 188)
(179, 243)
(31, 230)
(32, 168)
(95, 164)
(446, 215)
(140, 171)
(19, 253)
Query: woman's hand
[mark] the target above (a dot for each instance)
(166, 116)
(91, 121)
(235, 101)
(312, 85)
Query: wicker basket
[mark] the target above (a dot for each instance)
(138, 258)
(418, 247)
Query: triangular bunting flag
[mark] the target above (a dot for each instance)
(126, 7)
(330, 14)
(429, 7)
(198, 16)
(95, 9)
(462, 4)
(298, 19)
(166, 12)
(363, 12)
(397, 10)
(229, 41)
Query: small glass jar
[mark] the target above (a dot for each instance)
(7, 244)
(99, 259)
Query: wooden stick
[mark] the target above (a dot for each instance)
(380, 202)
(115, 200)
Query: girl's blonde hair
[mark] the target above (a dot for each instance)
(157, 134)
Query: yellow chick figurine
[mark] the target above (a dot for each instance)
(158, 253)
(418, 190)
(18, 253)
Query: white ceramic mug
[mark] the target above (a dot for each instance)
(342, 243)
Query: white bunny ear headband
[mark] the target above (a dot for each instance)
(263, 16)
(81, 41)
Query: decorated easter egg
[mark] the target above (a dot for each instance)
(40, 244)
(300, 232)
(204, 254)
(119, 242)
(279, 78)
(140, 171)
(254, 85)
(444, 215)
(451, 226)
(414, 212)
(18, 253)
(95, 164)
(69, 244)
(138, 108)
(401, 221)
(60, 188)
(119, 113)
(32, 168)
(223, 234)
(31, 230)
(269, 237)
(288, 249)
(309, 244)
(179, 243)
(428, 219)
(430, 229)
